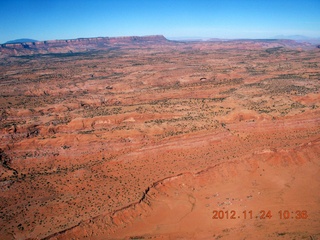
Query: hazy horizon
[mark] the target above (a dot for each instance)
(249, 19)
(182, 38)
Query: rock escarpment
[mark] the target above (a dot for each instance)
(74, 45)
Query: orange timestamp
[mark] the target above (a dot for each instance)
(262, 214)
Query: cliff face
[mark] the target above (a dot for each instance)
(73, 45)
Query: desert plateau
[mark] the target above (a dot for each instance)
(147, 138)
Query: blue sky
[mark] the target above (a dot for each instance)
(65, 19)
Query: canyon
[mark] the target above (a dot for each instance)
(146, 138)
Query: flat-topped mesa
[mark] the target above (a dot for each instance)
(151, 38)
(74, 45)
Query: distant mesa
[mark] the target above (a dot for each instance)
(24, 47)
(292, 37)
(21, 40)
(71, 47)
(300, 38)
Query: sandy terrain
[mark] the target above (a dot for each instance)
(154, 141)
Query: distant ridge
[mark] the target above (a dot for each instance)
(27, 47)
(86, 45)
(21, 40)
(299, 38)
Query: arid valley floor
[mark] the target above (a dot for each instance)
(168, 140)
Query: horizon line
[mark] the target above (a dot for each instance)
(296, 37)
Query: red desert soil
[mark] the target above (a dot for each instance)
(161, 140)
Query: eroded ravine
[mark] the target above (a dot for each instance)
(166, 198)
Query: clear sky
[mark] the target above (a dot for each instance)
(65, 19)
